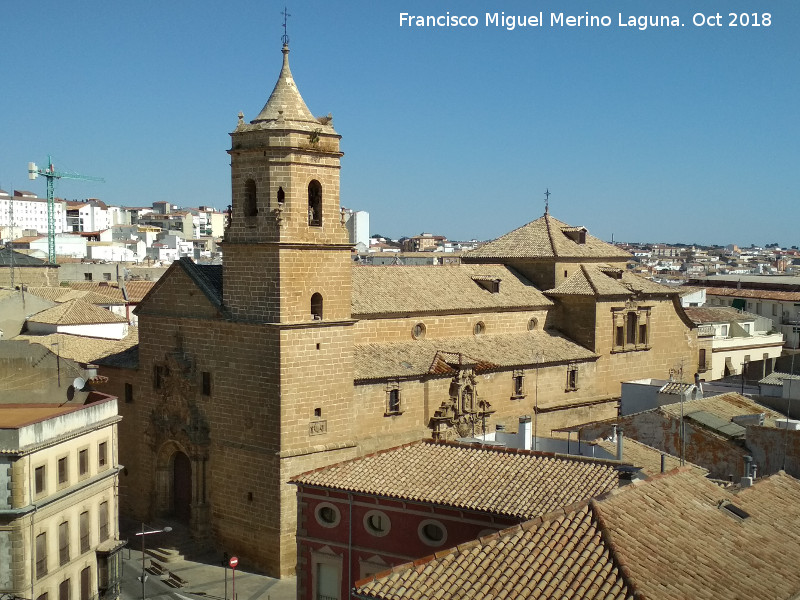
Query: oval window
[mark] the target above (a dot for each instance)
(533, 323)
(327, 514)
(377, 523)
(418, 331)
(479, 328)
(432, 533)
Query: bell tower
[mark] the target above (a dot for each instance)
(285, 241)
(287, 283)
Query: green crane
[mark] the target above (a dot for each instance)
(51, 174)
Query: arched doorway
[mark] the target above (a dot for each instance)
(181, 487)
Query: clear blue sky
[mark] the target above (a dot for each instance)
(680, 134)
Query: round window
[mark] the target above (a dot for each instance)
(377, 523)
(327, 514)
(479, 328)
(432, 533)
(533, 323)
(418, 331)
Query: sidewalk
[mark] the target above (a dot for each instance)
(207, 580)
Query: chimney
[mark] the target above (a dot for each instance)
(699, 385)
(619, 444)
(747, 480)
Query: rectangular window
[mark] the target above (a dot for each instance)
(84, 524)
(128, 393)
(86, 583)
(39, 482)
(107, 276)
(572, 377)
(62, 470)
(41, 555)
(206, 383)
(620, 339)
(103, 522)
(102, 457)
(87, 276)
(643, 334)
(63, 543)
(701, 363)
(83, 462)
(393, 401)
(630, 323)
(63, 590)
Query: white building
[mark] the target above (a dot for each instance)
(737, 339)
(357, 224)
(28, 211)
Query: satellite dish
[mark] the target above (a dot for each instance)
(79, 383)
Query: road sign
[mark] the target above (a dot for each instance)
(233, 562)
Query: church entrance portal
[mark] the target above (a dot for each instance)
(181, 487)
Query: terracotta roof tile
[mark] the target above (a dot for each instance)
(514, 483)
(546, 237)
(441, 288)
(724, 406)
(76, 312)
(647, 458)
(82, 349)
(667, 538)
(717, 314)
(419, 357)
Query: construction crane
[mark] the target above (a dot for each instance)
(51, 174)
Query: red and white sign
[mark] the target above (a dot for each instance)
(233, 562)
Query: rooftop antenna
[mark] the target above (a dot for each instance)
(547, 201)
(285, 36)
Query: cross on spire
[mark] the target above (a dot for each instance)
(547, 201)
(285, 36)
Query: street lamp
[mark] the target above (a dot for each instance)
(144, 533)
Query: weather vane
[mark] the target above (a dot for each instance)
(547, 201)
(285, 36)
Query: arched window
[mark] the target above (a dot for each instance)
(315, 203)
(281, 196)
(250, 205)
(316, 307)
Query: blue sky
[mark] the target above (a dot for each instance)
(684, 134)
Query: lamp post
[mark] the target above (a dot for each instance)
(144, 533)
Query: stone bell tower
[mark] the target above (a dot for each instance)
(287, 279)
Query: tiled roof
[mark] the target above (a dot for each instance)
(562, 556)
(724, 406)
(717, 314)
(647, 458)
(440, 288)
(496, 480)
(599, 280)
(136, 289)
(82, 349)
(666, 538)
(418, 357)
(674, 540)
(546, 237)
(763, 294)
(64, 294)
(76, 312)
(776, 378)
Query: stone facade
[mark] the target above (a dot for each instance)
(272, 366)
(58, 500)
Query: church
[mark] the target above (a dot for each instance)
(290, 357)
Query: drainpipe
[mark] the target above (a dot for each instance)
(350, 545)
